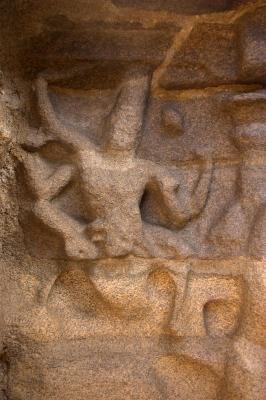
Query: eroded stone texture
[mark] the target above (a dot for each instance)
(132, 195)
(180, 7)
(213, 53)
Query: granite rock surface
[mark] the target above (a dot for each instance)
(132, 200)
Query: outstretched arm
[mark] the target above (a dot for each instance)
(124, 123)
(77, 245)
(178, 199)
(52, 124)
(46, 189)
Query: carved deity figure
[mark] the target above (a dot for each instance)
(243, 224)
(113, 179)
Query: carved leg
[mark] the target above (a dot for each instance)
(189, 199)
(77, 246)
(179, 196)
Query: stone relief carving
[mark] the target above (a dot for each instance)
(248, 113)
(139, 267)
(145, 321)
(113, 181)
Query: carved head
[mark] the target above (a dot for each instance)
(248, 112)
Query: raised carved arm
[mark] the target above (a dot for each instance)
(124, 123)
(72, 232)
(51, 123)
(181, 201)
(46, 189)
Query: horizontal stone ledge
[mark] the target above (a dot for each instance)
(112, 46)
(181, 6)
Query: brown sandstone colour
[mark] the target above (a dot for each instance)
(132, 200)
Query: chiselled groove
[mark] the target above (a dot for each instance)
(178, 41)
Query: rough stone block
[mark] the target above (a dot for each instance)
(179, 6)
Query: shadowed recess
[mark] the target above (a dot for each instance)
(180, 6)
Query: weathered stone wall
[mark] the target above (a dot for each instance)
(132, 199)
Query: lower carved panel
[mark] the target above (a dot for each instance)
(149, 329)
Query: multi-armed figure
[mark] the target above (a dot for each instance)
(113, 180)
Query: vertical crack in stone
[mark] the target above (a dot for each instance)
(178, 41)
